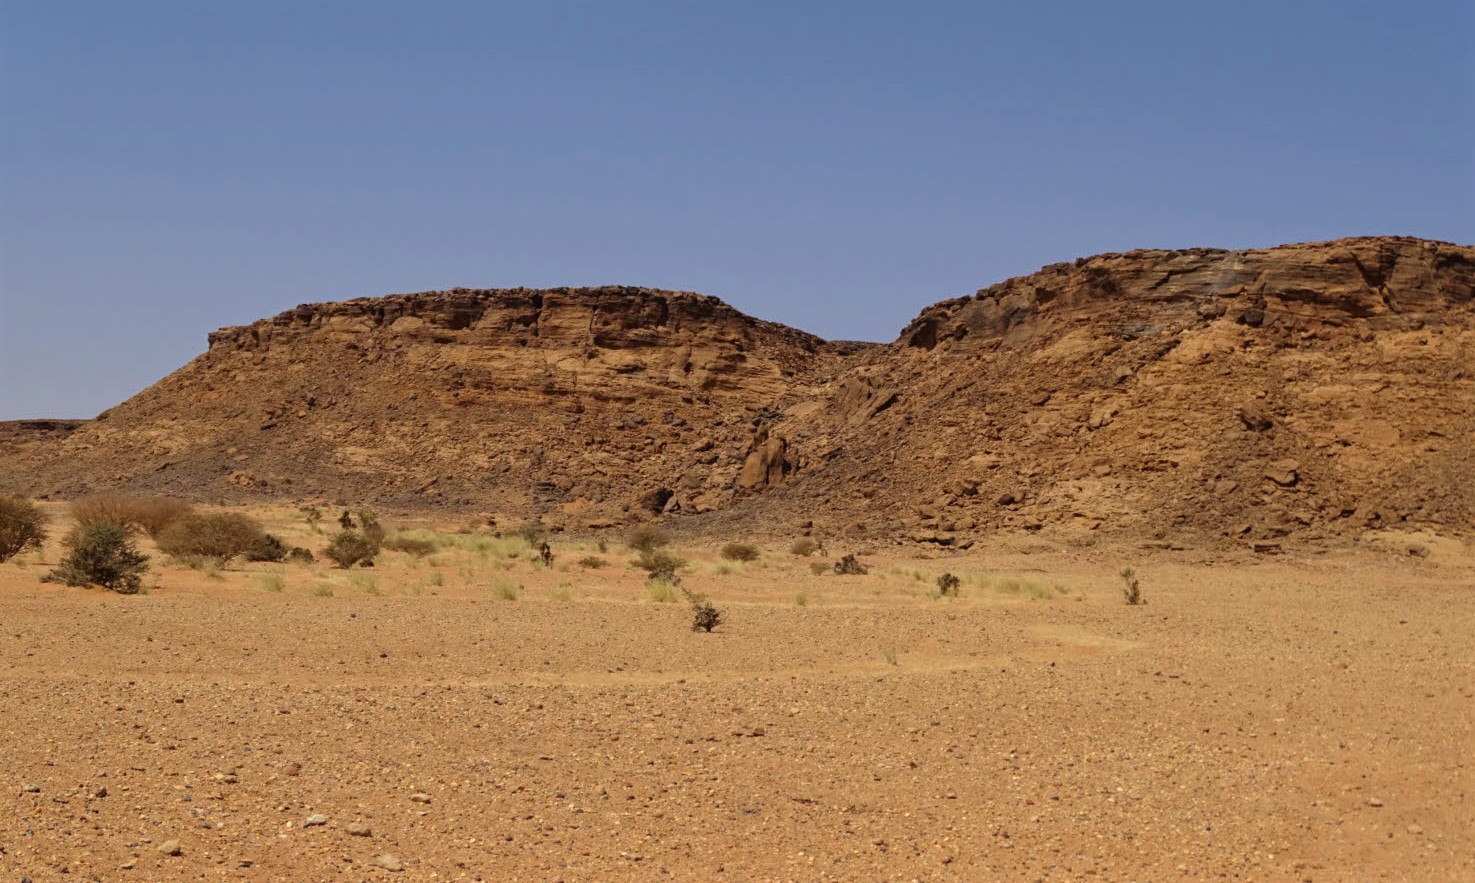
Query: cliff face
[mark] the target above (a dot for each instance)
(1308, 389)
(594, 405)
(1304, 390)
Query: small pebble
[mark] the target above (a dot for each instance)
(100, 791)
(171, 847)
(32, 789)
(1373, 801)
(358, 829)
(315, 820)
(420, 797)
(388, 862)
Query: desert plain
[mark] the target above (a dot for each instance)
(472, 715)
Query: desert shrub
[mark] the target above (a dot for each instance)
(345, 520)
(660, 590)
(592, 562)
(349, 548)
(660, 564)
(647, 538)
(415, 548)
(268, 548)
(532, 530)
(314, 517)
(948, 585)
(848, 566)
(740, 552)
(101, 553)
(364, 583)
(152, 515)
(804, 547)
(505, 588)
(704, 616)
(299, 555)
(219, 535)
(272, 582)
(22, 526)
(1131, 589)
(371, 529)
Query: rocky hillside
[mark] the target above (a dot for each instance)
(595, 405)
(1193, 395)
(1307, 389)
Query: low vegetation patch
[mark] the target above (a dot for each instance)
(592, 562)
(222, 536)
(739, 552)
(704, 616)
(22, 527)
(660, 564)
(848, 566)
(804, 547)
(647, 538)
(659, 590)
(101, 553)
(349, 548)
(1131, 588)
(148, 514)
(505, 588)
(412, 546)
(949, 585)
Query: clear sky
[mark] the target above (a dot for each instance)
(169, 168)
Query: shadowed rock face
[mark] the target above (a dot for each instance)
(1303, 390)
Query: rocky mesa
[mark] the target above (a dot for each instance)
(1191, 395)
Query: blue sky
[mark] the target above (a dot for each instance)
(169, 168)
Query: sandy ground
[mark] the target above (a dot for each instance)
(1286, 718)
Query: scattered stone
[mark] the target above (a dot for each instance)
(100, 791)
(32, 789)
(1373, 801)
(170, 847)
(420, 797)
(315, 820)
(292, 768)
(128, 865)
(1284, 472)
(358, 829)
(389, 862)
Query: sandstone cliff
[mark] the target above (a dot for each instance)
(1195, 395)
(1308, 389)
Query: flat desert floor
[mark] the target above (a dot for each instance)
(1297, 717)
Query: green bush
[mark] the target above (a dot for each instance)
(349, 548)
(101, 553)
(739, 552)
(218, 535)
(22, 527)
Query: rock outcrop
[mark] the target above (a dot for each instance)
(1194, 395)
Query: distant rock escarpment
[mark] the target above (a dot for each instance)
(1256, 396)
(1305, 390)
(590, 404)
